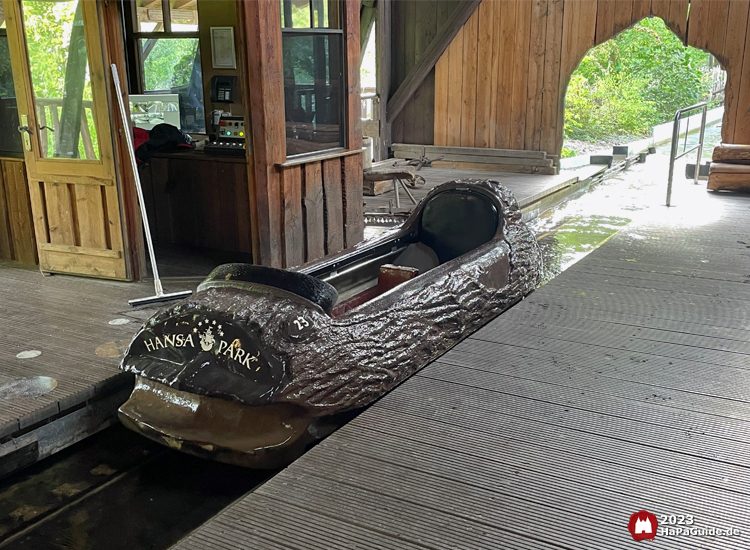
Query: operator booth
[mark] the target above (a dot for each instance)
(245, 118)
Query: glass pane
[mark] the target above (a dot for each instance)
(313, 92)
(296, 13)
(184, 15)
(173, 65)
(149, 15)
(305, 14)
(60, 78)
(10, 139)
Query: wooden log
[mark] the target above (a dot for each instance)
(724, 168)
(721, 181)
(732, 153)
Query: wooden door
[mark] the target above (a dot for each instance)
(61, 88)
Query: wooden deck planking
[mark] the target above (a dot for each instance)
(67, 319)
(618, 386)
(527, 188)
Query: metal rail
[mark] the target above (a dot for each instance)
(673, 156)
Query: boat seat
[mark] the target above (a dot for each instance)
(313, 289)
(457, 221)
(418, 255)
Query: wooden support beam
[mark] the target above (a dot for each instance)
(367, 17)
(430, 57)
(383, 85)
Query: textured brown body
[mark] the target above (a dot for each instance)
(326, 365)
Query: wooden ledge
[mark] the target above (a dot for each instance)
(306, 159)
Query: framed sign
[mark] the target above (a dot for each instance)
(222, 48)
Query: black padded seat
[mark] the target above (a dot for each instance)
(457, 221)
(313, 289)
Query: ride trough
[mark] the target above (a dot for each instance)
(261, 362)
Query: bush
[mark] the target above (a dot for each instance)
(634, 81)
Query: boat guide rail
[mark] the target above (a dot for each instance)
(261, 362)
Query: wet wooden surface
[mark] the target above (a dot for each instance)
(527, 188)
(619, 386)
(67, 320)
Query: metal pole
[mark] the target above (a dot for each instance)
(700, 145)
(673, 153)
(160, 296)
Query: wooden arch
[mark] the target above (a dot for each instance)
(502, 81)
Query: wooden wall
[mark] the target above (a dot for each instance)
(194, 199)
(17, 240)
(415, 24)
(306, 208)
(502, 81)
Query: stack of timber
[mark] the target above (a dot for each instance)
(478, 158)
(730, 169)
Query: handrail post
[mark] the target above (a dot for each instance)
(672, 154)
(700, 145)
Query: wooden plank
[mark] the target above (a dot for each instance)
(448, 32)
(514, 168)
(535, 94)
(264, 81)
(499, 161)
(91, 216)
(351, 36)
(313, 212)
(442, 78)
(698, 24)
(552, 68)
(732, 59)
(485, 50)
(294, 228)
(742, 119)
(728, 152)
(334, 206)
(520, 74)
(383, 76)
(641, 10)
(6, 235)
(60, 214)
(20, 214)
(354, 223)
(401, 149)
(455, 88)
(469, 81)
(605, 20)
(623, 15)
(82, 250)
(506, 47)
(678, 12)
(716, 33)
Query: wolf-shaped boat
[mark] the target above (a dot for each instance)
(261, 362)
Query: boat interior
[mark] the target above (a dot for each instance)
(446, 225)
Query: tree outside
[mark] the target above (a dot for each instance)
(632, 82)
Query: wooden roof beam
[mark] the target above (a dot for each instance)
(430, 57)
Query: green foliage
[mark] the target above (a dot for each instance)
(169, 63)
(634, 81)
(567, 152)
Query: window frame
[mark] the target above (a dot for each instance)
(133, 36)
(343, 103)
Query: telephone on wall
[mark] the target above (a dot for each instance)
(223, 89)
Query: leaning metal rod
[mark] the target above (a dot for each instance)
(160, 296)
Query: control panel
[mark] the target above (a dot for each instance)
(231, 139)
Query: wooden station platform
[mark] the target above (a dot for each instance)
(528, 188)
(620, 386)
(67, 319)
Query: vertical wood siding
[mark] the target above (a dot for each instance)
(502, 81)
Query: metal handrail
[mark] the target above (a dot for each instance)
(673, 156)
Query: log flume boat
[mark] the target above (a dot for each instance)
(261, 362)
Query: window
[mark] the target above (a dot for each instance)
(314, 85)
(164, 55)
